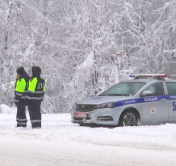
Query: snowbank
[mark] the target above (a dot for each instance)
(6, 109)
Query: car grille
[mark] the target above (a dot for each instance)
(105, 118)
(80, 118)
(84, 107)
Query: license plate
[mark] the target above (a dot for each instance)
(80, 114)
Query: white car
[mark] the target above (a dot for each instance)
(145, 100)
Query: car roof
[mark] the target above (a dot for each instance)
(147, 80)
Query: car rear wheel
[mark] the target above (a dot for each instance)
(128, 118)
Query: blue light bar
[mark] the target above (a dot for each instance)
(148, 75)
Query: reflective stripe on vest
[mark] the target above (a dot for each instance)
(19, 94)
(35, 98)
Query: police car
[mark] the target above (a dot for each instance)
(148, 99)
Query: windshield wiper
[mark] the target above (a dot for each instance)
(105, 95)
(113, 95)
(119, 95)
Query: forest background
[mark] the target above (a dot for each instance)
(76, 43)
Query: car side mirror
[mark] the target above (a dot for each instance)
(146, 93)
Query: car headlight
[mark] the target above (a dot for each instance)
(104, 105)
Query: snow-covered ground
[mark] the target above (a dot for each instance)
(61, 143)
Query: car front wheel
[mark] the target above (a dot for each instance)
(128, 118)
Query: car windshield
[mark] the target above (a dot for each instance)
(123, 89)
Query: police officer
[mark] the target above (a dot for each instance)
(20, 96)
(35, 95)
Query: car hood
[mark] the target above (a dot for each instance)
(102, 99)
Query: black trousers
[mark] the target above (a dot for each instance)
(35, 113)
(21, 114)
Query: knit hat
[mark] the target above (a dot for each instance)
(36, 71)
(20, 70)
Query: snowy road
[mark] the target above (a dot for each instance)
(61, 143)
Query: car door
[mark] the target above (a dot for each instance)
(155, 107)
(171, 88)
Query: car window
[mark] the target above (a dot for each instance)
(157, 89)
(171, 88)
(124, 89)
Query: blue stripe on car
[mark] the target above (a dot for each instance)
(144, 100)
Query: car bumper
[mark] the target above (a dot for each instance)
(105, 116)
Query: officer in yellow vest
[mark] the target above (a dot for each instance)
(35, 95)
(20, 96)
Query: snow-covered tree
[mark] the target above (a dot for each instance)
(75, 43)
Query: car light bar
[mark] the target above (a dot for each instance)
(148, 75)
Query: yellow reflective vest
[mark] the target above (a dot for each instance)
(21, 87)
(36, 89)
